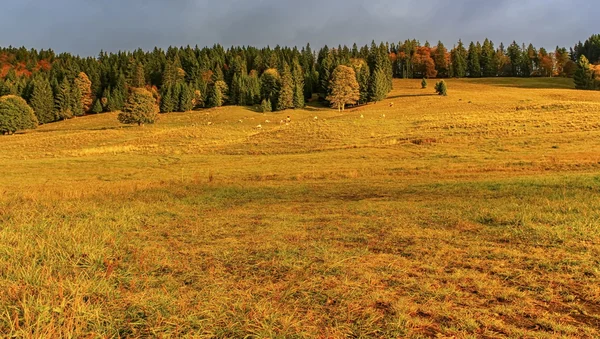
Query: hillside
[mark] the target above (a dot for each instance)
(475, 214)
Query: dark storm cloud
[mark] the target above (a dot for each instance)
(86, 26)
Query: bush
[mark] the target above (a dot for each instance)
(140, 108)
(424, 83)
(441, 88)
(15, 115)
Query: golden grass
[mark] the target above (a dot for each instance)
(473, 215)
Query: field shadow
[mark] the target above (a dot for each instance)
(410, 96)
(534, 83)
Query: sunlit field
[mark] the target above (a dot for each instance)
(475, 215)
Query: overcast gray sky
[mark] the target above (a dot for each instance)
(86, 26)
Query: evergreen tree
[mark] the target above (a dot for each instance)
(378, 86)
(215, 98)
(185, 98)
(286, 92)
(363, 77)
(252, 88)
(116, 101)
(441, 88)
(441, 63)
(97, 107)
(298, 76)
(473, 65)
(489, 67)
(265, 106)
(584, 75)
(424, 83)
(42, 100)
(63, 102)
(514, 55)
(76, 103)
(167, 102)
(269, 85)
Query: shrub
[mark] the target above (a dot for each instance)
(441, 88)
(15, 115)
(424, 83)
(140, 108)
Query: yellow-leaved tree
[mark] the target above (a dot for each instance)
(343, 87)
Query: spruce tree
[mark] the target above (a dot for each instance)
(185, 98)
(215, 98)
(269, 85)
(116, 100)
(167, 102)
(298, 76)
(97, 107)
(441, 88)
(378, 85)
(441, 64)
(488, 56)
(265, 106)
(63, 102)
(473, 65)
(363, 76)
(286, 92)
(42, 100)
(76, 101)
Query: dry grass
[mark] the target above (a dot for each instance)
(475, 215)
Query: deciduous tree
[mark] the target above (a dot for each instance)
(344, 88)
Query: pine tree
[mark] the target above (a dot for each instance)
(286, 92)
(42, 100)
(63, 102)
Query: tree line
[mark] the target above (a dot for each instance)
(62, 86)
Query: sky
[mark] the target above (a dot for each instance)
(85, 27)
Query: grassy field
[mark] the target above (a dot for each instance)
(475, 215)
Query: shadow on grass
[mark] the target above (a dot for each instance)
(411, 95)
(540, 83)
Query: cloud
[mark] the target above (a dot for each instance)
(86, 26)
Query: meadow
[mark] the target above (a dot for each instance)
(475, 215)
